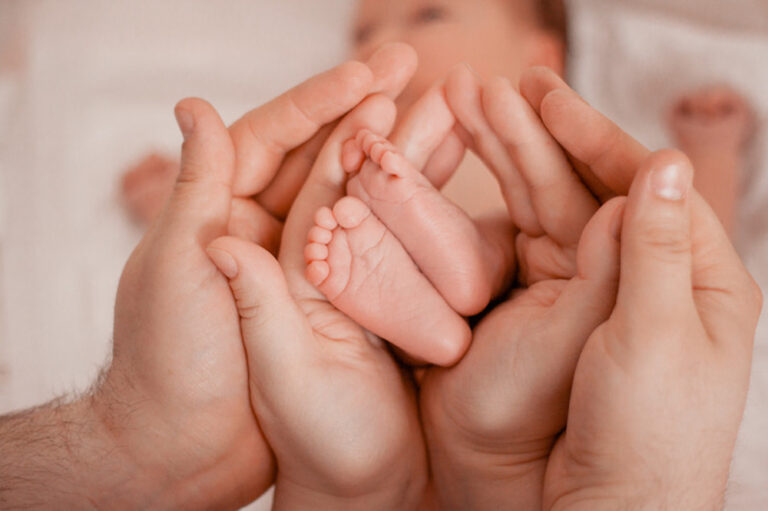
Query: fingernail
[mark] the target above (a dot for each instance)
(186, 122)
(224, 262)
(671, 182)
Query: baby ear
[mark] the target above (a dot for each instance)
(547, 49)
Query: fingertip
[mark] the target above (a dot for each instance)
(536, 82)
(357, 76)
(599, 247)
(224, 261)
(670, 175)
(392, 67)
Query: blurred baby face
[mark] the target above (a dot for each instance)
(494, 36)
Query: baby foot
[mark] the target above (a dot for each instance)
(712, 119)
(439, 236)
(713, 127)
(366, 273)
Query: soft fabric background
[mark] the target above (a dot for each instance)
(87, 87)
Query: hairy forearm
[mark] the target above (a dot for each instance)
(60, 456)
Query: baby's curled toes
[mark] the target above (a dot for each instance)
(364, 271)
(714, 118)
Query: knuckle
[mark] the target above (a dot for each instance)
(664, 240)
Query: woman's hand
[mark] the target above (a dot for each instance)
(493, 419)
(337, 410)
(176, 397)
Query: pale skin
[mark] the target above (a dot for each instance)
(151, 433)
(495, 441)
(498, 37)
(164, 372)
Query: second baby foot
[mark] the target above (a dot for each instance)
(366, 273)
(439, 236)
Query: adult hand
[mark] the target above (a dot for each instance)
(660, 388)
(336, 409)
(176, 397)
(608, 158)
(491, 420)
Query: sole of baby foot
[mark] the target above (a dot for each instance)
(439, 236)
(366, 273)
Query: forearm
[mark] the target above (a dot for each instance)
(61, 456)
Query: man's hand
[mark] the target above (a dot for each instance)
(170, 425)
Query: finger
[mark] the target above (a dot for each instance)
(263, 136)
(464, 94)
(273, 327)
(535, 85)
(392, 66)
(424, 127)
(656, 262)
(562, 204)
(728, 298)
(537, 82)
(590, 296)
(278, 197)
(251, 222)
(541, 258)
(611, 155)
(200, 202)
(326, 182)
(445, 160)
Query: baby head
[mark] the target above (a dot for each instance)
(496, 37)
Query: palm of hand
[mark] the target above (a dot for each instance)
(198, 384)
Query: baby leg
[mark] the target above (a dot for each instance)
(465, 267)
(713, 127)
(366, 273)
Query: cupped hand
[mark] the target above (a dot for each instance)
(338, 412)
(176, 398)
(491, 420)
(660, 388)
(481, 448)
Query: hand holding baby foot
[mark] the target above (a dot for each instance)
(595, 465)
(397, 237)
(683, 329)
(492, 420)
(336, 409)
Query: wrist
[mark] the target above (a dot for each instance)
(167, 465)
(407, 495)
(648, 493)
(473, 471)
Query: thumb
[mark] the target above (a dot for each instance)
(588, 299)
(656, 261)
(273, 327)
(202, 196)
